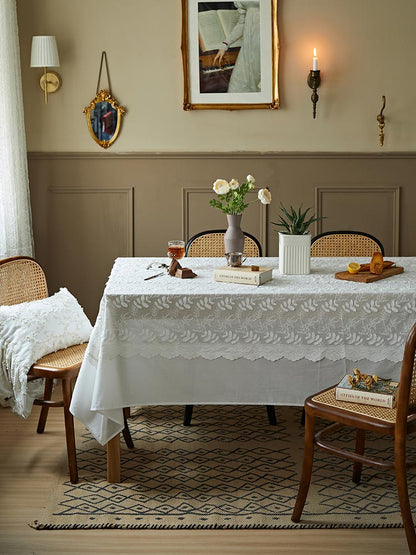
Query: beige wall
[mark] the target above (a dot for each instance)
(366, 50)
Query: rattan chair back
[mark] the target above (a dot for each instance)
(211, 243)
(406, 402)
(345, 243)
(21, 280)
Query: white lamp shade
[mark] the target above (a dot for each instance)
(44, 52)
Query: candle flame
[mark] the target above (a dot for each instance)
(314, 52)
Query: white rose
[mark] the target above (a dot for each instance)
(250, 179)
(221, 186)
(264, 196)
(234, 184)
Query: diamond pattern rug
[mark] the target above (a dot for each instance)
(229, 469)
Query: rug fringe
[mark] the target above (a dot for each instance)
(36, 525)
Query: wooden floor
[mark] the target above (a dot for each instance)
(28, 462)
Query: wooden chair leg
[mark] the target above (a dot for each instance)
(126, 431)
(188, 415)
(302, 418)
(69, 431)
(306, 468)
(359, 448)
(402, 489)
(45, 409)
(271, 415)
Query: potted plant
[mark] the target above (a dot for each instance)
(295, 240)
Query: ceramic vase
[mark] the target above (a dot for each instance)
(234, 236)
(294, 253)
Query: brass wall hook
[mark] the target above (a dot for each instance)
(380, 120)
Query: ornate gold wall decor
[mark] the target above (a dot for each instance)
(104, 118)
(104, 112)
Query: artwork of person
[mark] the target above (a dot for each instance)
(246, 75)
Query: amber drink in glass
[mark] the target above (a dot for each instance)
(176, 249)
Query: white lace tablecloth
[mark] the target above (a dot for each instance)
(171, 324)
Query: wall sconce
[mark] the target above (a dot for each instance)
(314, 80)
(45, 54)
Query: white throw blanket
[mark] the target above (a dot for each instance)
(30, 330)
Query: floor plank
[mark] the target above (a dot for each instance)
(28, 462)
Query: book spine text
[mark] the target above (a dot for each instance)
(240, 278)
(354, 396)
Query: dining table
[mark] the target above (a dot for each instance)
(172, 341)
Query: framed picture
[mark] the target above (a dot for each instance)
(230, 55)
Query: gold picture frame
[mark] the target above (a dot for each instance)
(211, 80)
(104, 111)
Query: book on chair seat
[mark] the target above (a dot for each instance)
(243, 274)
(382, 394)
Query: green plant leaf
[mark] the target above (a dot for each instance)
(295, 222)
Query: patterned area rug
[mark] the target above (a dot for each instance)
(229, 469)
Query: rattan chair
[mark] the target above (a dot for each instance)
(22, 280)
(397, 423)
(345, 243)
(211, 243)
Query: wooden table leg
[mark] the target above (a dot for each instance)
(113, 459)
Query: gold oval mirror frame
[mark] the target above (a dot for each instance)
(104, 118)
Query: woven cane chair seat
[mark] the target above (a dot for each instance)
(380, 413)
(211, 243)
(64, 358)
(345, 243)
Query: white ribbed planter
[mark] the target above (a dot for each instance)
(294, 253)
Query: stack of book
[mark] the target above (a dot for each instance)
(243, 274)
(383, 393)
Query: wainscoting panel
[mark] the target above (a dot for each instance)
(88, 228)
(374, 210)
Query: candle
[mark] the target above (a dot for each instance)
(314, 60)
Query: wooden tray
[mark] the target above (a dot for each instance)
(367, 277)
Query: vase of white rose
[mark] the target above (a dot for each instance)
(231, 201)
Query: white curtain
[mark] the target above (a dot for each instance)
(15, 215)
